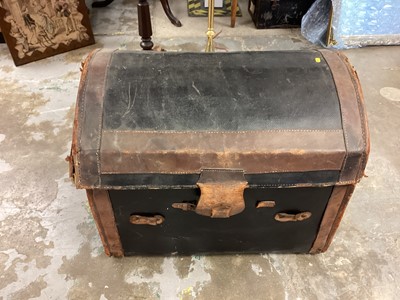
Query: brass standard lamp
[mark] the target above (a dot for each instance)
(210, 31)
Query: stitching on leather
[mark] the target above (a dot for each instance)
(100, 119)
(222, 170)
(344, 120)
(362, 117)
(190, 186)
(347, 182)
(82, 113)
(294, 185)
(223, 132)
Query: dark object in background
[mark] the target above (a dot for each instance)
(278, 13)
(248, 152)
(144, 19)
(164, 3)
(316, 23)
(2, 41)
(101, 3)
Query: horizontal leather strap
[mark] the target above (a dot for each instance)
(132, 181)
(255, 152)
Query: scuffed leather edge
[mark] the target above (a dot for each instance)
(76, 126)
(334, 212)
(363, 114)
(354, 119)
(357, 141)
(88, 118)
(256, 152)
(103, 215)
(330, 214)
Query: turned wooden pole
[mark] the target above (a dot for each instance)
(144, 21)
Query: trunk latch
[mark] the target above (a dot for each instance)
(221, 193)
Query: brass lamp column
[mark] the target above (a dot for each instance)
(210, 31)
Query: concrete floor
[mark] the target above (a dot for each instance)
(49, 246)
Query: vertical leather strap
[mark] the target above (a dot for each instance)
(333, 215)
(91, 96)
(103, 215)
(354, 120)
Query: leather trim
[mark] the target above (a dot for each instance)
(255, 152)
(333, 215)
(354, 120)
(331, 212)
(339, 216)
(103, 215)
(154, 180)
(78, 110)
(363, 115)
(89, 124)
